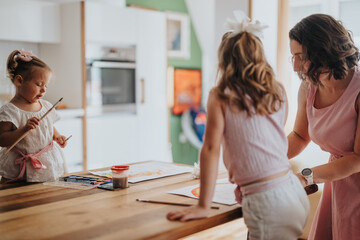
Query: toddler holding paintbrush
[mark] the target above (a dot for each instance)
(27, 122)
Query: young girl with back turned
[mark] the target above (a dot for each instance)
(246, 114)
(35, 158)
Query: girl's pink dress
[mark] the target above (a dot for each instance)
(333, 128)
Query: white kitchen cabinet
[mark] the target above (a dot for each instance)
(118, 138)
(112, 139)
(29, 21)
(151, 71)
(110, 24)
(65, 59)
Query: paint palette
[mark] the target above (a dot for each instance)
(85, 180)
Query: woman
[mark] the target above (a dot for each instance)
(326, 59)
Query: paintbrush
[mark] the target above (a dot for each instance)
(27, 132)
(170, 203)
(68, 138)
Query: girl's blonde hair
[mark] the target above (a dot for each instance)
(244, 72)
(17, 66)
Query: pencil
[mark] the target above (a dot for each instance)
(26, 133)
(170, 203)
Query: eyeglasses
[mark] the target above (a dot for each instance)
(297, 57)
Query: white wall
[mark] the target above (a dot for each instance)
(65, 58)
(208, 17)
(225, 10)
(266, 11)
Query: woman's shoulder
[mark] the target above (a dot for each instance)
(306, 87)
(306, 92)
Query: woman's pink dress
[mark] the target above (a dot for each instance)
(333, 128)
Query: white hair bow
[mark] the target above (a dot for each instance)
(243, 24)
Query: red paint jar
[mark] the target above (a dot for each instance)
(120, 176)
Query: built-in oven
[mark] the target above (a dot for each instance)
(111, 79)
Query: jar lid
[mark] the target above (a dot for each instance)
(120, 167)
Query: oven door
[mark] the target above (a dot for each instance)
(111, 86)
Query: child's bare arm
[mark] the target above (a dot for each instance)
(60, 139)
(209, 158)
(9, 134)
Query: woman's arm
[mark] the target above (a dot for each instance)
(299, 138)
(209, 158)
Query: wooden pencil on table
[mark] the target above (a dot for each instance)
(27, 132)
(170, 203)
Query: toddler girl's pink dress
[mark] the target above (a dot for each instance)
(333, 128)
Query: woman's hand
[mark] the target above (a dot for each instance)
(302, 179)
(31, 123)
(188, 213)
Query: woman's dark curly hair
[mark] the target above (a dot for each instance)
(327, 45)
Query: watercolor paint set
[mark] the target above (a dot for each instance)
(86, 180)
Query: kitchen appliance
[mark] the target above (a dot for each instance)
(111, 79)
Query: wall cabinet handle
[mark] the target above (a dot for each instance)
(142, 90)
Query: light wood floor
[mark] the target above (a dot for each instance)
(235, 229)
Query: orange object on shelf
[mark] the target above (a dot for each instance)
(61, 106)
(187, 89)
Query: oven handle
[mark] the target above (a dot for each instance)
(142, 90)
(103, 64)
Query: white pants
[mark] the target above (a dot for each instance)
(279, 213)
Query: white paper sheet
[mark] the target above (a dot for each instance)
(149, 170)
(224, 192)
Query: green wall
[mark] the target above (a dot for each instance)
(182, 152)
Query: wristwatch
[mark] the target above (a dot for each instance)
(307, 173)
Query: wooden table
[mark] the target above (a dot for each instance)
(37, 211)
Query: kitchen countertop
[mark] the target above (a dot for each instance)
(71, 112)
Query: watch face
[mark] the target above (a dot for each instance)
(306, 172)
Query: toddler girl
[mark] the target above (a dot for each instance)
(246, 114)
(35, 158)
